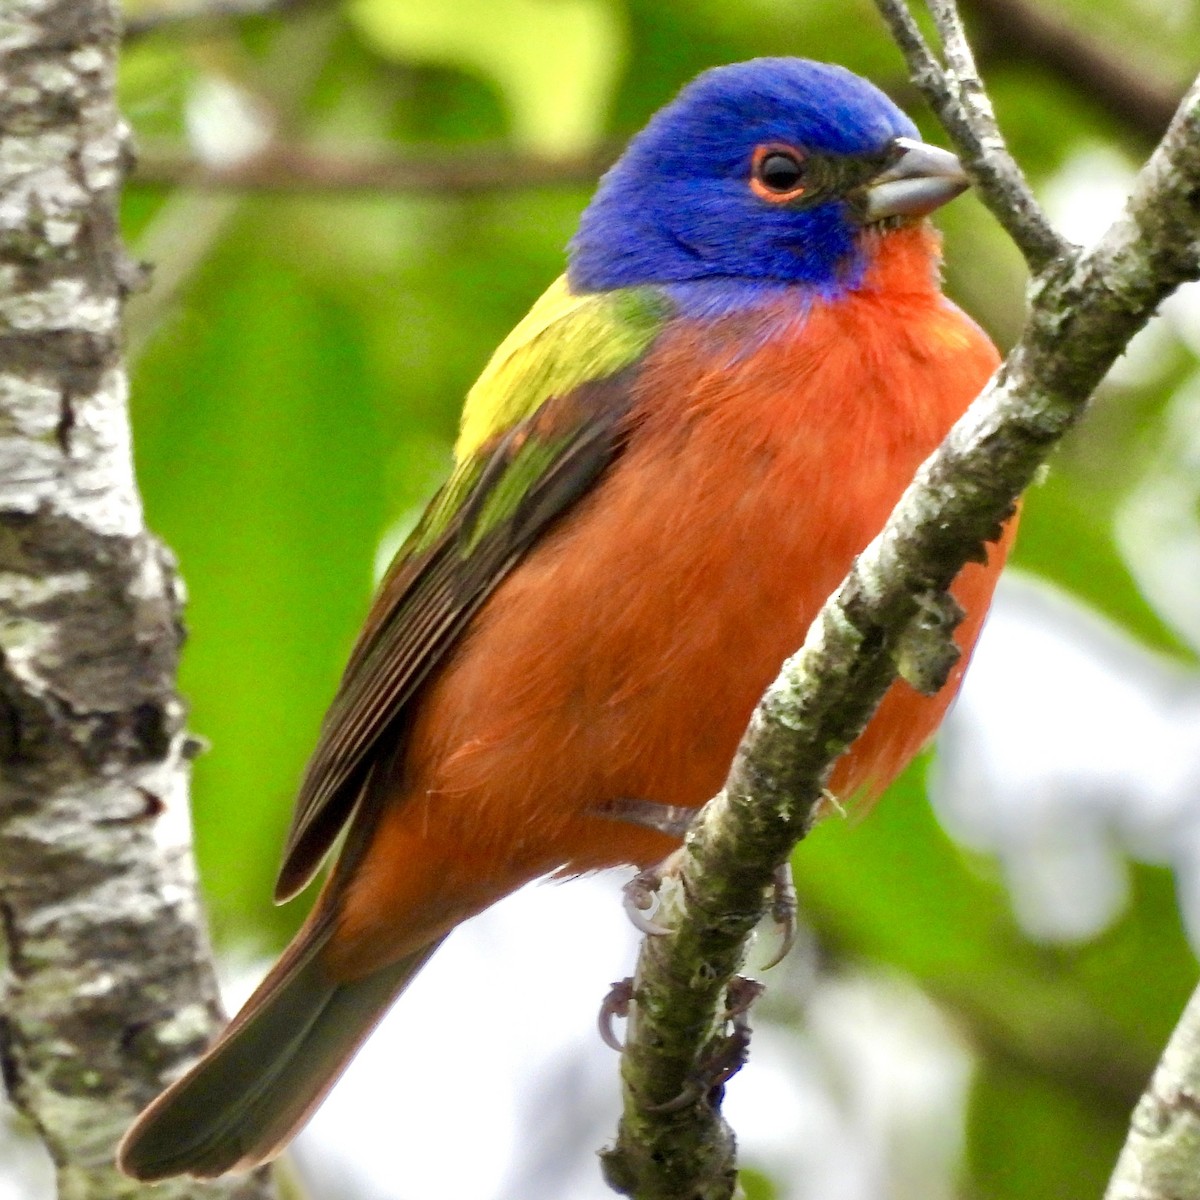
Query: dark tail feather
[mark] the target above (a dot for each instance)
(261, 1080)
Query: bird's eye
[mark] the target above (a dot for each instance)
(777, 173)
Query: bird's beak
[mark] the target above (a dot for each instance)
(921, 179)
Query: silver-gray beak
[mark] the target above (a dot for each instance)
(923, 178)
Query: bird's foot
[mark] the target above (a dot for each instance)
(641, 898)
(783, 912)
(615, 1005)
(729, 1055)
(641, 892)
(740, 994)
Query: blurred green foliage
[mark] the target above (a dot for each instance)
(301, 367)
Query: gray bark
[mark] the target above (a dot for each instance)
(108, 989)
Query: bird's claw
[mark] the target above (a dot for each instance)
(615, 1004)
(729, 1058)
(783, 912)
(740, 994)
(641, 900)
(690, 1094)
(641, 897)
(693, 1090)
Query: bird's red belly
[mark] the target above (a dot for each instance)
(622, 659)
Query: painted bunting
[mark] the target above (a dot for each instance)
(661, 474)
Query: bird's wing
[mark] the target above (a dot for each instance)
(545, 419)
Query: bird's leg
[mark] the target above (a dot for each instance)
(641, 892)
(641, 903)
(671, 819)
(740, 994)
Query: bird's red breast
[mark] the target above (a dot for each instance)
(624, 657)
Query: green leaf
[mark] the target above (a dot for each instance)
(261, 465)
(754, 1185)
(1033, 1139)
(555, 62)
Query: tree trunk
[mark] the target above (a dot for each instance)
(109, 988)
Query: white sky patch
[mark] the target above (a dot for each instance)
(27, 1173)
(1088, 194)
(1070, 746)
(1182, 312)
(225, 124)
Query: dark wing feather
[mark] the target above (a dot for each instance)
(475, 531)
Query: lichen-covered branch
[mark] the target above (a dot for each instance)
(889, 613)
(1161, 1157)
(107, 989)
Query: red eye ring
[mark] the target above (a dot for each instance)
(777, 172)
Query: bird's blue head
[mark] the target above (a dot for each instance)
(766, 171)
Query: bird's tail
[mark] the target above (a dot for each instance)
(263, 1077)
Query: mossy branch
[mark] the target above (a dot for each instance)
(1084, 306)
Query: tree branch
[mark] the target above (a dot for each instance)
(108, 988)
(1005, 31)
(957, 95)
(1013, 29)
(1158, 1161)
(1084, 308)
(199, 19)
(284, 167)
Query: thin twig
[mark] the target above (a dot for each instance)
(957, 95)
(201, 19)
(923, 67)
(955, 46)
(1082, 314)
(1005, 31)
(284, 167)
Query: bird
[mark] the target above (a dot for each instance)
(660, 476)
